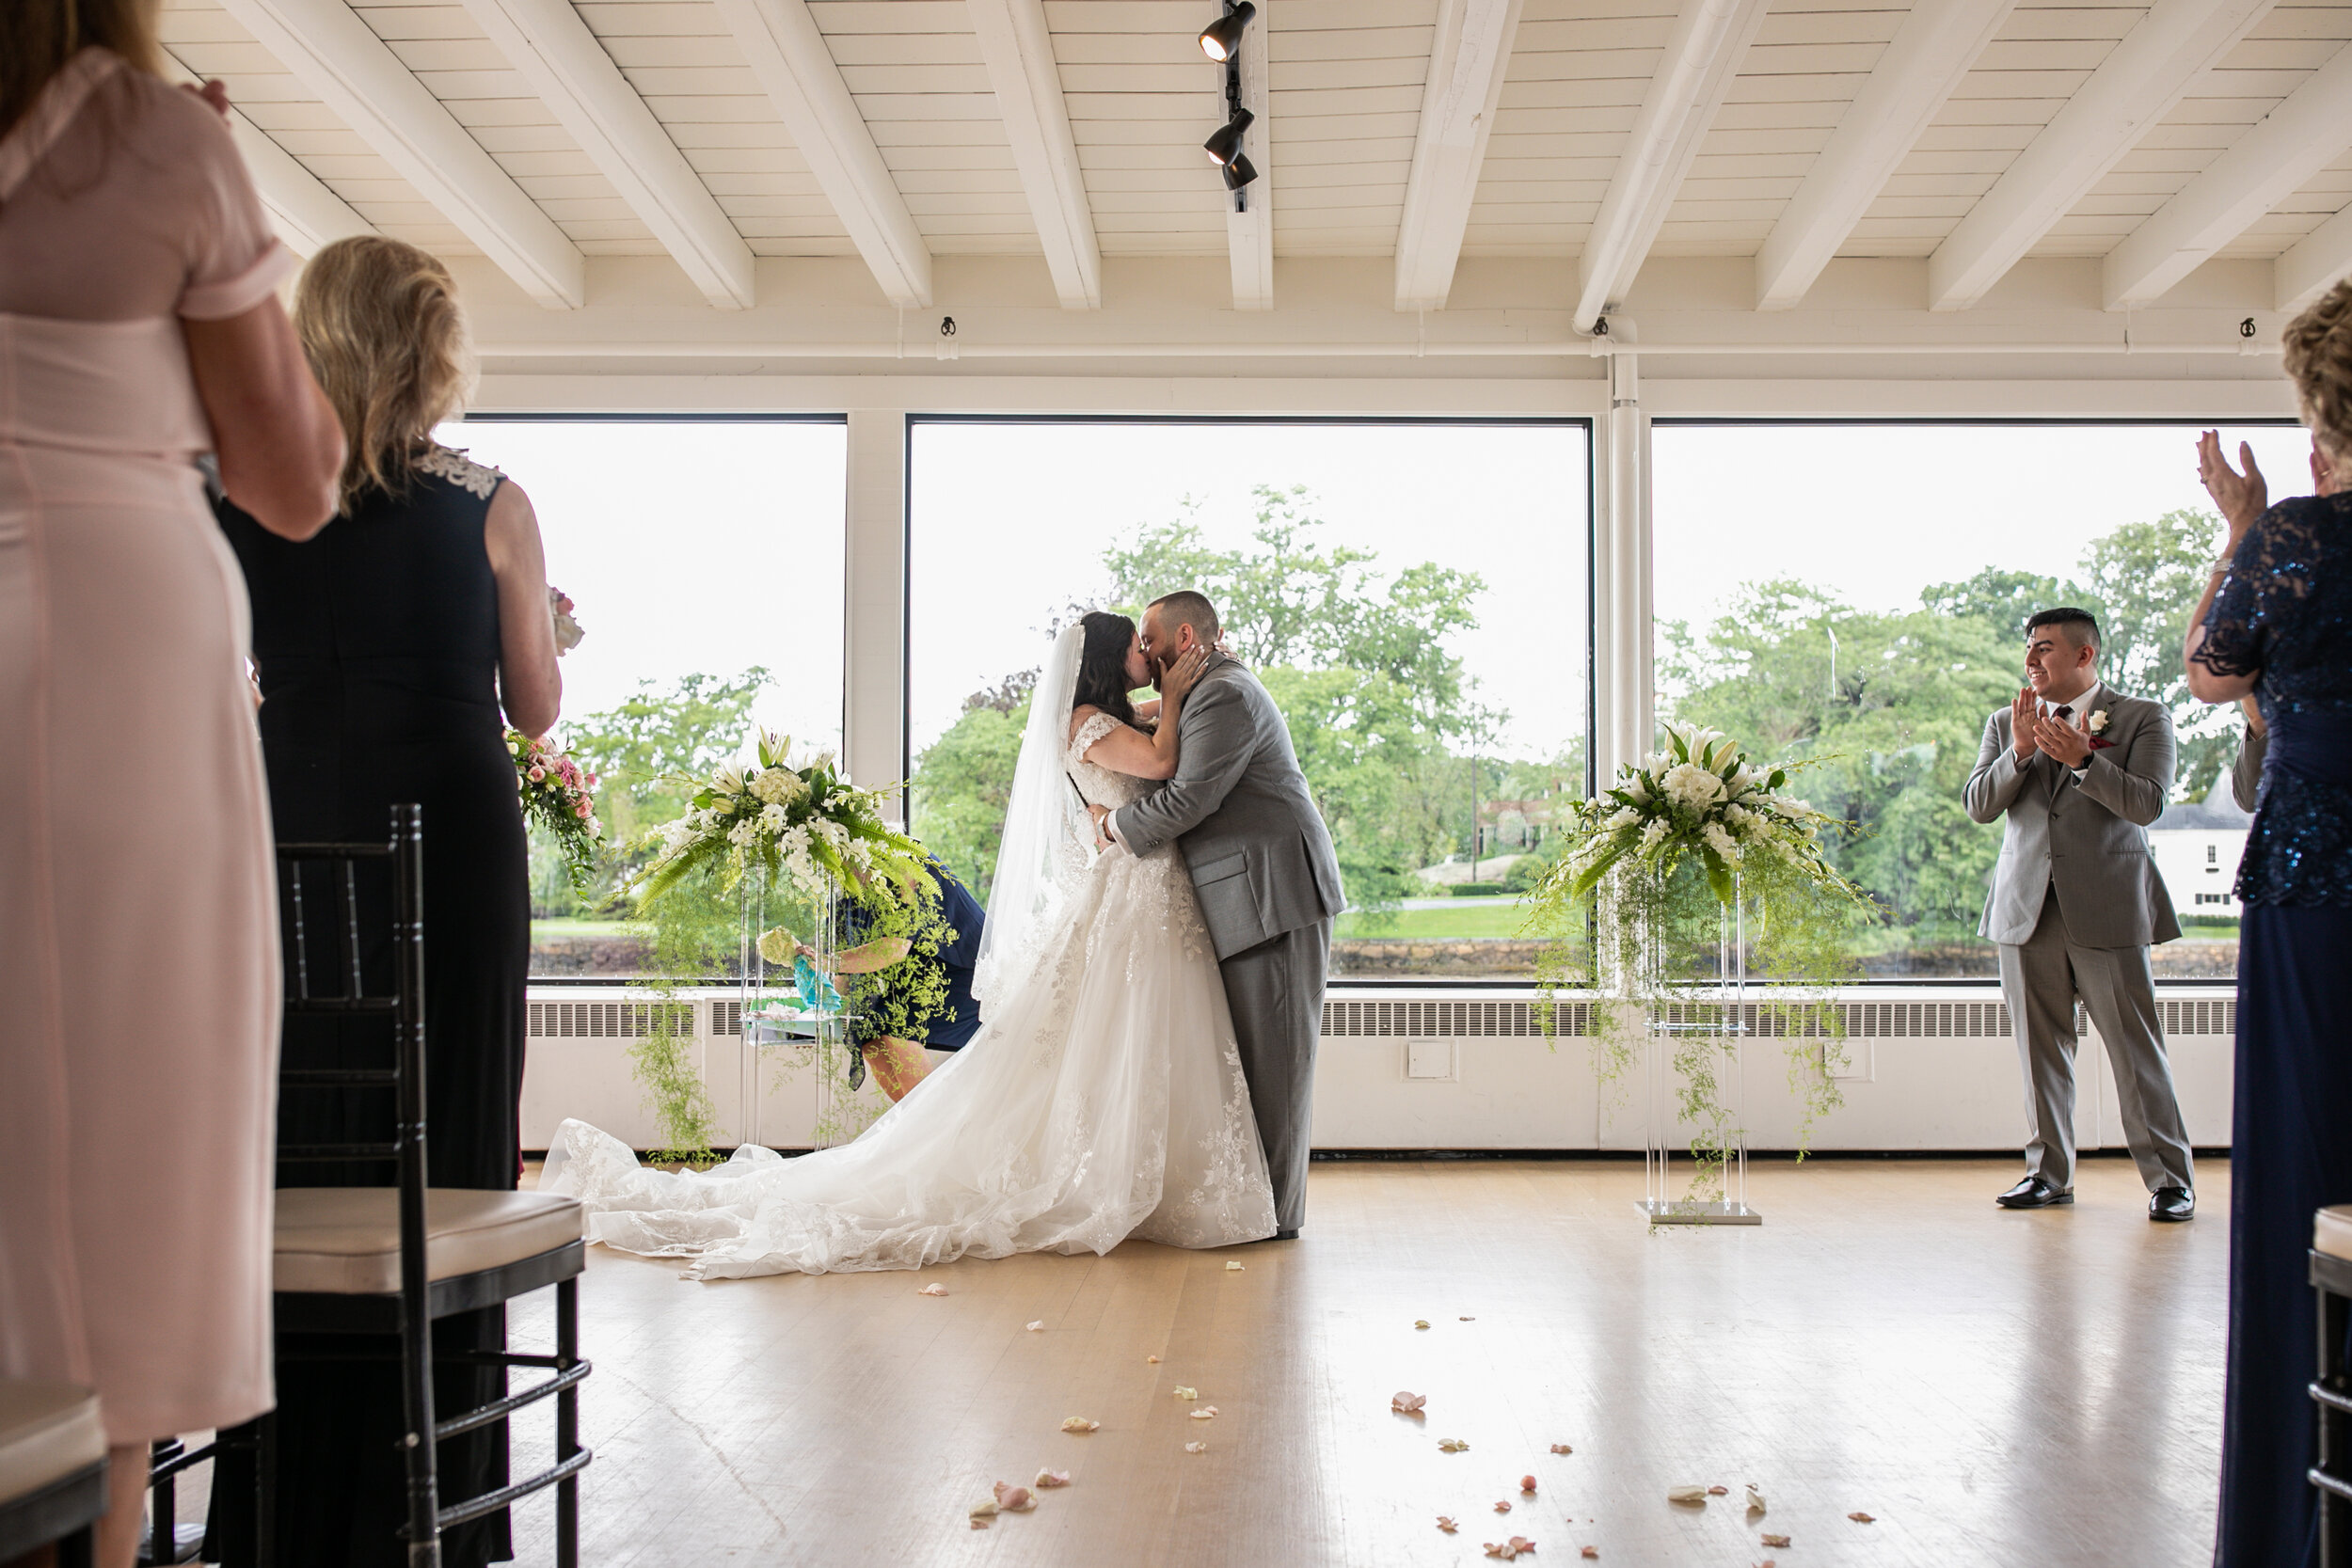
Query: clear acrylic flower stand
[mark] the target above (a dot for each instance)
(1719, 1017)
(774, 1012)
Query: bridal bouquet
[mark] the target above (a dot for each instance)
(1699, 796)
(806, 825)
(560, 796)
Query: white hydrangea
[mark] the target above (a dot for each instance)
(1691, 786)
(1624, 816)
(778, 786)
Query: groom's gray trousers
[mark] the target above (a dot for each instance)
(1276, 992)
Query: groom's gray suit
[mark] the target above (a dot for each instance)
(1270, 886)
(2075, 904)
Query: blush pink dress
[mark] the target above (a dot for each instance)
(139, 954)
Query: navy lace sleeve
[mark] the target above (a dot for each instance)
(2285, 613)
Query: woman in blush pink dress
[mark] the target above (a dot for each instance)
(138, 330)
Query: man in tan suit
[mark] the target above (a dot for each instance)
(2079, 770)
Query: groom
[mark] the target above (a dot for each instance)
(1261, 862)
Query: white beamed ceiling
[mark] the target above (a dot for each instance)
(1347, 86)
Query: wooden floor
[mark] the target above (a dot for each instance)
(1994, 1388)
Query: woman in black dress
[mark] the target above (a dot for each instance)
(387, 647)
(2276, 620)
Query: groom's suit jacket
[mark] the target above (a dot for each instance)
(1260, 855)
(2088, 838)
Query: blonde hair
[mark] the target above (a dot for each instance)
(38, 36)
(2318, 346)
(380, 323)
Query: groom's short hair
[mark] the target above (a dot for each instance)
(1185, 608)
(2080, 626)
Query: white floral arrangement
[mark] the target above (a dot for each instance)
(804, 822)
(1700, 795)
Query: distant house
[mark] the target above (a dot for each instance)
(2197, 845)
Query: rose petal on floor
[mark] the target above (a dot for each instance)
(1406, 1402)
(1446, 1524)
(1051, 1478)
(1522, 1542)
(933, 1289)
(1468, 1320)
(1503, 1549)
(1038, 1327)
(1014, 1499)
(1588, 1551)
(1696, 1495)
(1861, 1518)
(1196, 1448)
(1502, 1508)
(1420, 1322)
(1452, 1445)
(1756, 1500)
(977, 1524)
(1561, 1448)
(1719, 1491)
(1079, 1423)
(1205, 1413)
(984, 1508)
(1184, 1393)
(1527, 1484)
(1781, 1541)
(1151, 1360)
(1232, 1268)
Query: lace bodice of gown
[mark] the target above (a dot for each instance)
(1101, 786)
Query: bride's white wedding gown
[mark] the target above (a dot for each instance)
(1102, 1098)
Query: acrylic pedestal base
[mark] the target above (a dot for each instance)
(1669, 1211)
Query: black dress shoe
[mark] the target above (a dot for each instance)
(2034, 1192)
(2172, 1203)
(1290, 1234)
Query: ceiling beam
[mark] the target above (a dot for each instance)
(793, 63)
(1468, 61)
(1250, 212)
(2138, 84)
(1935, 46)
(1018, 49)
(1701, 60)
(2262, 168)
(338, 56)
(2314, 263)
(307, 215)
(569, 69)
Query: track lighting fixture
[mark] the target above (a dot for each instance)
(1224, 145)
(1221, 39)
(1239, 172)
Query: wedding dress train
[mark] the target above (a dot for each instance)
(1102, 1098)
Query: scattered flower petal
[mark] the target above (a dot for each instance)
(1014, 1499)
(1196, 1448)
(1755, 1499)
(1511, 1548)
(1719, 1491)
(1687, 1495)
(984, 1508)
(1038, 1327)
(977, 1524)
(1205, 1413)
(1502, 1508)
(933, 1289)
(1776, 1540)
(1184, 1393)
(1420, 1322)
(1522, 1542)
(1561, 1448)
(1588, 1551)
(1151, 1360)
(1447, 1524)
(1769, 1562)
(1452, 1445)
(1527, 1484)
(1051, 1478)
(1079, 1423)
(1470, 1319)
(1406, 1402)
(1861, 1518)
(1232, 1268)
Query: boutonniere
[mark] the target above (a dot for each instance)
(2096, 725)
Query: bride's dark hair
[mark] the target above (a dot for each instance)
(1103, 665)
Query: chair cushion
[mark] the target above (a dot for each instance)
(345, 1241)
(48, 1431)
(2332, 1232)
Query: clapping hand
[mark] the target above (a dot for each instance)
(2025, 713)
(2063, 740)
(2241, 497)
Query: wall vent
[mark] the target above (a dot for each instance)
(1864, 1021)
(601, 1019)
(1448, 1020)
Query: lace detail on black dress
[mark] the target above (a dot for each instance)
(2285, 613)
(455, 467)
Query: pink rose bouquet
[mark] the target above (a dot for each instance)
(560, 796)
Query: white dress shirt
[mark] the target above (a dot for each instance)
(2076, 717)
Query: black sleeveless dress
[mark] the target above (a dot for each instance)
(377, 643)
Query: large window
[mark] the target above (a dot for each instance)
(1857, 593)
(1414, 595)
(705, 557)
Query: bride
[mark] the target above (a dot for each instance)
(1102, 1097)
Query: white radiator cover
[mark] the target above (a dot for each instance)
(1928, 1067)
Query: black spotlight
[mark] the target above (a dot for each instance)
(1221, 37)
(1239, 172)
(1225, 145)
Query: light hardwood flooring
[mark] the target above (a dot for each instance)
(1994, 1388)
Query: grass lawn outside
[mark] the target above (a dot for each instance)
(545, 930)
(1467, 920)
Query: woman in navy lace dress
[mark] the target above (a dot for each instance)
(2276, 620)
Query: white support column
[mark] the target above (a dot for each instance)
(874, 640)
(1622, 664)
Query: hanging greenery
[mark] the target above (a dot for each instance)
(1691, 850)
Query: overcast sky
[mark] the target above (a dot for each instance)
(715, 546)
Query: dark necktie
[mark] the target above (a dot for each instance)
(2064, 711)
